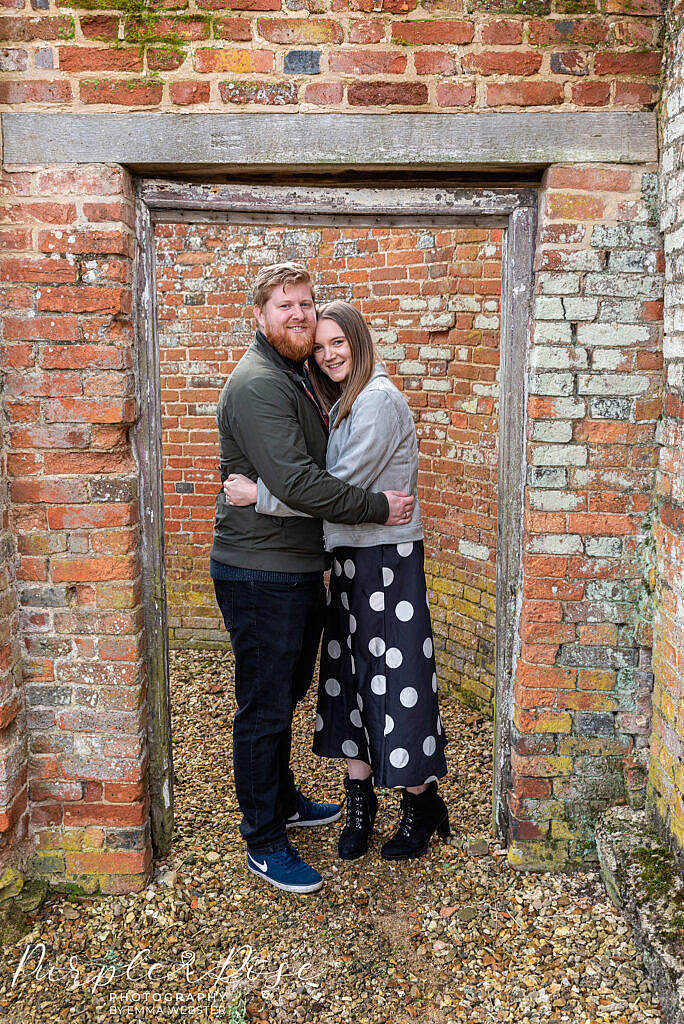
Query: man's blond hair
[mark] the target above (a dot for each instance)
(268, 279)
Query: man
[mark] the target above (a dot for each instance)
(268, 570)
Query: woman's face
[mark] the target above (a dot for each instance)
(332, 351)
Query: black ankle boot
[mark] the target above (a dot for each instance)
(421, 816)
(362, 806)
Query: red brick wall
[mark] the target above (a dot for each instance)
(582, 687)
(13, 781)
(390, 54)
(432, 299)
(666, 783)
(69, 403)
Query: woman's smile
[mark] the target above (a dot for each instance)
(332, 351)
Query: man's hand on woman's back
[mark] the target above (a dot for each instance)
(401, 507)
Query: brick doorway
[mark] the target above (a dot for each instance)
(432, 270)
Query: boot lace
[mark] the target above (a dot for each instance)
(356, 806)
(406, 823)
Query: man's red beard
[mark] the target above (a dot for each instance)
(293, 348)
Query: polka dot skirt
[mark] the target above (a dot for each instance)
(377, 695)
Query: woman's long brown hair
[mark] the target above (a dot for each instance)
(355, 330)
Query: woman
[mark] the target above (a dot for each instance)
(377, 696)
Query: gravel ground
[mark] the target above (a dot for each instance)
(457, 936)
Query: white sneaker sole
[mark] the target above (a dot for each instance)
(319, 821)
(314, 887)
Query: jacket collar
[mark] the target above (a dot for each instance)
(288, 365)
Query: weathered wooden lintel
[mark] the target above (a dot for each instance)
(273, 141)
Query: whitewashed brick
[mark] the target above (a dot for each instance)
(555, 501)
(556, 544)
(486, 322)
(575, 308)
(559, 455)
(559, 284)
(477, 551)
(551, 384)
(612, 384)
(612, 335)
(548, 308)
(557, 357)
(434, 352)
(556, 332)
(610, 358)
(556, 431)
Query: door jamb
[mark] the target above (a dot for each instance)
(515, 210)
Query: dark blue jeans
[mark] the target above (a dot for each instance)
(275, 630)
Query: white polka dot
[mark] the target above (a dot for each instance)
(439, 726)
(349, 642)
(332, 687)
(349, 748)
(349, 569)
(365, 733)
(389, 724)
(387, 577)
(377, 601)
(405, 549)
(337, 567)
(319, 723)
(434, 681)
(334, 649)
(376, 646)
(427, 647)
(378, 684)
(352, 624)
(409, 696)
(429, 745)
(355, 718)
(399, 757)
(404, 611)
(328, 597)
(345, 600)
(359, 701)
(394, 657)
(353, 664)
(430, 778)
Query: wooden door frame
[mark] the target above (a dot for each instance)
(515, 211)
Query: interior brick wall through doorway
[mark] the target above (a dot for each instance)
(432, 298)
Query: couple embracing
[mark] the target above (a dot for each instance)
(319, 461)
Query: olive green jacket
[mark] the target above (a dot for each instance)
(269, 428)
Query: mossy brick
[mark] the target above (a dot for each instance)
(594, 746)
(531, 856)
(48, 863)
(571, 830)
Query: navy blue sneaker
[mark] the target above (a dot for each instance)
(310, 813)
(286, 870)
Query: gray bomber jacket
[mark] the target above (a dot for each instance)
(374, 447)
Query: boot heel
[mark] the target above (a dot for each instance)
(443, 829)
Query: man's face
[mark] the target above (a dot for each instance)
(288, 319)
